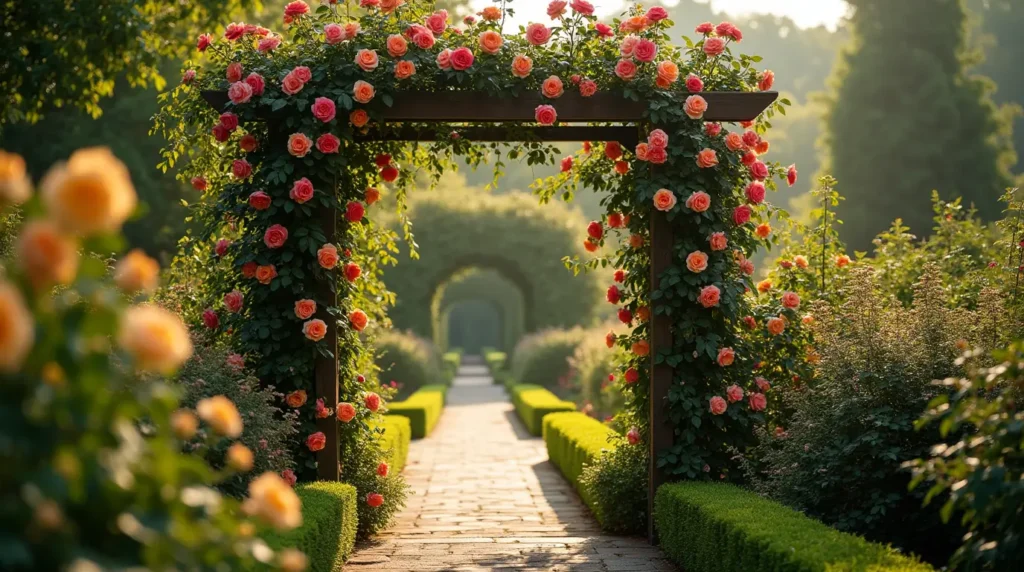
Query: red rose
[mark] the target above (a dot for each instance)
(604, 30)
(275, 236)
(632, 375)
(545, 115)
(259, 200)
(755, 192)
(389, 174)
(625, 316)
(328, 143)
(233, 301)
(595, 230)
(657, 14)
(750, 138)
(741, 214)
(323, 109)
(612, 150)
(199, 183)
(382, 160)
(234, 31)
(462, 58)
(229, 120)
(256, 82)
(588, 87)
(221, 133)
(203, 42)
(222, 247)
(374, 499)
(613, 295)
(609, 339)
(248, 143)
(249, 269)
(620, 276)
(759, 171)
(694, 84)
(352, 271)
(316, 442)
(241, 169)
(354, 211)
(210, 319)
(791, 175)
(302, 191)
(567, 164)
(712, 129)
(382, 470)
(615, 220)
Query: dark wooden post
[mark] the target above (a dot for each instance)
(661, 431)
(325, 368)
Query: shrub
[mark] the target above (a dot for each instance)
(533, 402)
(268, 429)
(411, 361)
(982, 470)
(838, 458)
(423, 409)
(495, 360)
(328, 531)
(451, 362)
(591, 363)
(716, 527)
(542, 358)
(395, 434)
(616, 486)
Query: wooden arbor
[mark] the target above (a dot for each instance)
(459, 107)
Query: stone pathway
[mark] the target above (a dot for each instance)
(485, 497)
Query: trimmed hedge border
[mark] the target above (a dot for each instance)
(395, 439)
(423, 409)
(328, 531)
(450, 362)
(533, 402)
(716, 527)
(575, 440)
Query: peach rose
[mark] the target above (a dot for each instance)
(766, 80)
(491, 42)
(762, 384)
(314, 329)
(358, 320)
(664, 200)
(714, 46)
(734, 393)
(658, 138)
(734, 142)
(404, 69)
(46, 255)
(352, 30)
(305, 308)
(552, 87)
(707, 158)
(233, 301)
(538, 34)
(389, 6)
(266, 274)
(327, 256)
(424, 39)
(776, 326)
(221, 415)
(372, 401)
(397, 47)
(272, 499)
(697, 262)
(791, 300)
(695, 106)
(444, 59)
(367, 59)
(184, 424)
(628, 45)
(371, 195)
(641, 348)
(588, 88)
(522, 66)
(699, 202)
(709, 296)
(346, 412)
(718, 241)
(362, 92)
(726, 357)
(491, 13)
(625, 70)
(137, 272)
(758, 401)
(291, 84)
(718, 405)
(801, 261)
(15, 186)
(641, 151)
(92, 193)
(17, 328)
(668, 73)
(296, 399)
(239, 457)
(636, 241)
(299, 145)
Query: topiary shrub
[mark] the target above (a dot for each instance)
(616, 485)
(412, 362)
(328, 531)
(268, 429)
(542, 358)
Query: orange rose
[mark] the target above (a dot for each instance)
(359, 118)
(776, 326)
(327, 256)
(522, 66)
(362, 92)
(491, 42)
(264, 274)
(641, 348)
(641, 151)
(296, 398)
(552, 87)
(404, 69)
(299, 145)
(709, 296)
(636, 241)
(221, 415)
(664, 200)
(46, 255)
(15, 186)
(397, 46)
(367, 59)
(697, 262)
(643, 313)
(155, 338)
(314, 329)
(707, 158)
(695, 106)
(274, 501)
(346, 412)
(734, 142)
(239, 457)
(358, 319)
(668, 73)
(763, 230)
(91, 193)
(801, 261)
(764, 285)
(304, 309)
(137, 272)
(842, 261)
(371, 195)
(17, 328)
(492, 13)
(388, 6)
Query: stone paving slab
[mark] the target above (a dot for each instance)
(484, 497)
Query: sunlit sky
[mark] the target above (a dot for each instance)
(806, 13)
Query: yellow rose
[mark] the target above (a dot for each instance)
(221, 414)
(239, 457)
(155, 337)
(17, 328)
(14, 183)
(48, 256)
(91, 193)
(273, 500)
(292, 560)
(137, 272)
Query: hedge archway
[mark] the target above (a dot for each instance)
(511, 234)
(480, 286)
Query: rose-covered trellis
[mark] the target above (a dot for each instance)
(290, 139)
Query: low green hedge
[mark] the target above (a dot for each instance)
(450, 362)
(328, 530)
(575, 440)
(395, 439)
(715, 527)
(533, 402)
(423, 409)
(495, 360)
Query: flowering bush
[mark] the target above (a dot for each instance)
(93, 473)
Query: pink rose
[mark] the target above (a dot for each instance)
(714, 46)
(713, 129)
(372, 401)
(302, 190)
(259, 201)
(588, 87)
(275, 236)
(424, 40)
(699, 202)
(741, 215)
(334, 34)
(538, 34)
(628, 45)
(268, 44)
(241, 169)
(289, 477)
(303, 73)
(189, 76)
(645, 50)
(323, 109)
(256, 82)
(762, 384)
(705, 28)
(625, 70)
(328, 143)
(694, 84)
(556, 9)
(462, 59)
(718, 241)
(545, 115)
(604, 30)
(726, 357)
(236, 362)
(657, 138)
(766, 80)
(203, 42)
(755, 192)
(582, 7)
(210, 319)
(718, 405)
(234, 72)
(222, 247)
(240, 92)
(791, 300)
(437, 22)
(729, 30)
(291, 84)
(233, 301)
(709, 296)
(734, 393)
(633, 436)
(234, 31)
(444, 59)
(657, 155)
(759, 171)
(758, 401)
(791, 175)
(657, 14)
